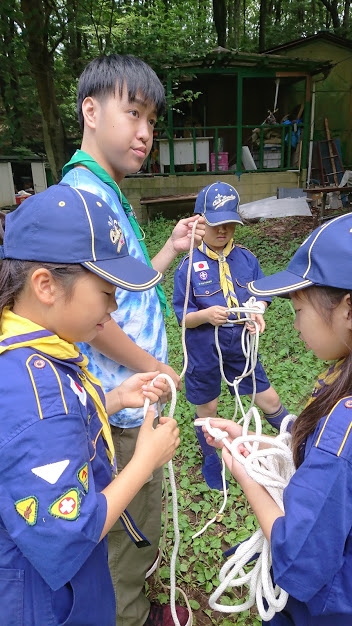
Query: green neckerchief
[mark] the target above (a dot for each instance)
(83, 158)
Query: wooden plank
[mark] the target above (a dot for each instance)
(162, 199)
(331, 151)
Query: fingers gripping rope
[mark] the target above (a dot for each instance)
(269, 463)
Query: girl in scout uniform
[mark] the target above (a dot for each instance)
(220, 272)
(311, 543)
(63, 255)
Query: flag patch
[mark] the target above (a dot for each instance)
(199, 266)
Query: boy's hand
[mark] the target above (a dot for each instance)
(133, 392)
(155, 447)
(182, 233)
(259, 319)
(216, 315)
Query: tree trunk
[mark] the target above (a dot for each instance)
(219, 13)
(9, 84)
(36, 15)
(262, 25)
(332, 9)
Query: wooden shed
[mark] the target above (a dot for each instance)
(19, 173)
(333, 92)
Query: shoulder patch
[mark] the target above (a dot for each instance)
(28, 509)
(336, 433)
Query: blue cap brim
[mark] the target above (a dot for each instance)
(279, 284)
(127, 273)
(214, 218)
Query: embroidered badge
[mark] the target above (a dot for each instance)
(67, 506)
(39, 364)
(51, 472)
(203, 275)
(116, 234)
(28, 509)
(78, 390)
(82, 476)
(200, 265)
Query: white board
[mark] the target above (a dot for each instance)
(7, 188)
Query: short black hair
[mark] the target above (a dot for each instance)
(104, 74)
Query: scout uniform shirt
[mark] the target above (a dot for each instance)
(312, 544)
(53, 466)
(205, 290)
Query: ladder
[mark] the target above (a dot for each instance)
(330, 164)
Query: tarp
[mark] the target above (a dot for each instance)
(274, 207)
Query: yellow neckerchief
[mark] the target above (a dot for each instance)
(19, 332)
(326, 378)
(226, 283)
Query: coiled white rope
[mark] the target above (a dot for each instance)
(272, 467)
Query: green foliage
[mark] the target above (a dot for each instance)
(292, 371)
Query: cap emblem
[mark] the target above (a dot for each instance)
(220, 200)
(116, 234)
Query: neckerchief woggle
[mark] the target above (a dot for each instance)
(83, 158)
(19, 332)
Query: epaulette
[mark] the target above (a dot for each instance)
(239, 245)
(335, 435)
(183, 261)
(47, 385)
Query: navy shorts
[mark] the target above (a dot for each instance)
(203, 376)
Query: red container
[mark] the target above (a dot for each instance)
(223, 161)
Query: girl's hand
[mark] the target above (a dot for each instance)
(236, 468)
(227, 426)
(157, 446)
(133, 392)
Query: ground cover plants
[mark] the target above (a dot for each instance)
(291, 370)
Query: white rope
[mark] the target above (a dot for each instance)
(170, 465)
(272, 467)
(174, 506)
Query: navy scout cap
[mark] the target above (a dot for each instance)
(218, 203)
(323, 259)
(67, 225)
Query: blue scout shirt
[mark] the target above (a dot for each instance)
(312, 544)
(53, 465)
(139, 313)
(205, 290)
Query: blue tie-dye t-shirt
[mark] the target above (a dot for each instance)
(139, 313)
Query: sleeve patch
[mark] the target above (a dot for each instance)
(28, 509)
(66, 506)
(82, 476)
